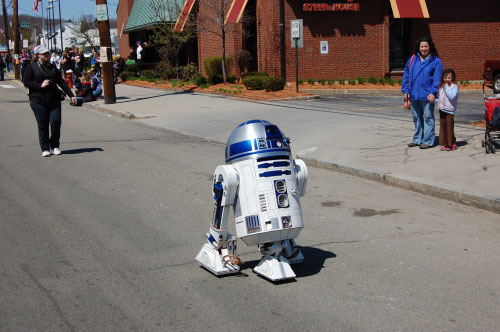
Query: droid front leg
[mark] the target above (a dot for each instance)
(218, 255)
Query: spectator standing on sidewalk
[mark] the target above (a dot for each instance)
(139, 56)
(2, 68)
(447, 105)
(8, 62)
(42, 79)
(420, 85)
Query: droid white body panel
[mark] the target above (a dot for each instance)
(262, 183)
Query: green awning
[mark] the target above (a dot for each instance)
(145, 13)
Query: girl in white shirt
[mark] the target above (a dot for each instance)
(447, 105)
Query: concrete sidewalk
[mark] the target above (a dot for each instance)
(365, 146)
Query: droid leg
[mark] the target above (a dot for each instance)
(274, 266)
(292, 252)
(218, 255)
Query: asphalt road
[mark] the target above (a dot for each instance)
(103, 238)
(470, 106)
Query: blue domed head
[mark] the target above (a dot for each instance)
(256, 139)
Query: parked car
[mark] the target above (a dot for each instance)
(491, 74)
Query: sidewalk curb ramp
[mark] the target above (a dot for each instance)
(434, 189)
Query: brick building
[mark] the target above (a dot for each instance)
(362, 37)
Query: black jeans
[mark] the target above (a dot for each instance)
(44, 115)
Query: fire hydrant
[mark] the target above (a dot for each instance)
(69, 78)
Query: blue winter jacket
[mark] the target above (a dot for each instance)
(424, 76)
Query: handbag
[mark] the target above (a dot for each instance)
(407, 104)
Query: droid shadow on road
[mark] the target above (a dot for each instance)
(84, 150)
(314, 259)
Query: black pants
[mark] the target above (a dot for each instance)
(46, 115)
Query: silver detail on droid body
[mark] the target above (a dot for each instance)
(263, 183)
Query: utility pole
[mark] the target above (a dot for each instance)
(61, 27)
(6, 25)
(106, 54)
(15, 23)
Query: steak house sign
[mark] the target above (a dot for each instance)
(348, 6)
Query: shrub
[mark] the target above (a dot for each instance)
(352, 82)
(273, 83)
(189, 72)
(390, 81)
(330, 82)
(213, 65)
(322, 81)
(216, 79)
(301, 81)
(131, 67)
(165, 70)
(150, 74)
(126, 75)
(372, 80)
(361, 80)
(381, 81)
(256, 73)
(311, 81)
(254, 82)
(341, 81)
(200, 80)
(243, 59)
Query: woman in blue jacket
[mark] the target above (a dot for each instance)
(420, 85)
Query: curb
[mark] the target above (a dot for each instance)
(434, 189)
(375, 92)
(99, 108)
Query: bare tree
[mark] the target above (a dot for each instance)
(169, 41)
(82, 28)
(211, 19)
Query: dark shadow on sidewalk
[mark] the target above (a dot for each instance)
(157, 96)
(78, 151)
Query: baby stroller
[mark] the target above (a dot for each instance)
(492, 119)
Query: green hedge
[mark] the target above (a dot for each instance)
(256, 73)
(254, 82)
(213, 65)
(274, 83)
(269, 83)
(216, 79)
(126, 75)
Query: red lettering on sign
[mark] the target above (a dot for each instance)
(340, 7)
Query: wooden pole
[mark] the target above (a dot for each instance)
(15, 23)
(106, 55)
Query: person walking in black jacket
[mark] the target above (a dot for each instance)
(42, 79)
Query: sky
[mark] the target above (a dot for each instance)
(69, 8)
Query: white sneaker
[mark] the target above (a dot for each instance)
(56, 151)
(45, 153)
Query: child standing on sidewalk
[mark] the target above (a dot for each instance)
(447, 105)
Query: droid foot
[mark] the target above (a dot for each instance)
(217, 263)
(274, 269)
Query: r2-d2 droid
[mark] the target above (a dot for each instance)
(263, 183)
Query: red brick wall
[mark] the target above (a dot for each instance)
(465, 35)
(209, 43)
(122, 14)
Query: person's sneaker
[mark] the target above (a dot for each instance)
(454, 147)
(412, 145)
(56, 151)
(45, 153)
(425, 146)
(445, 148)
